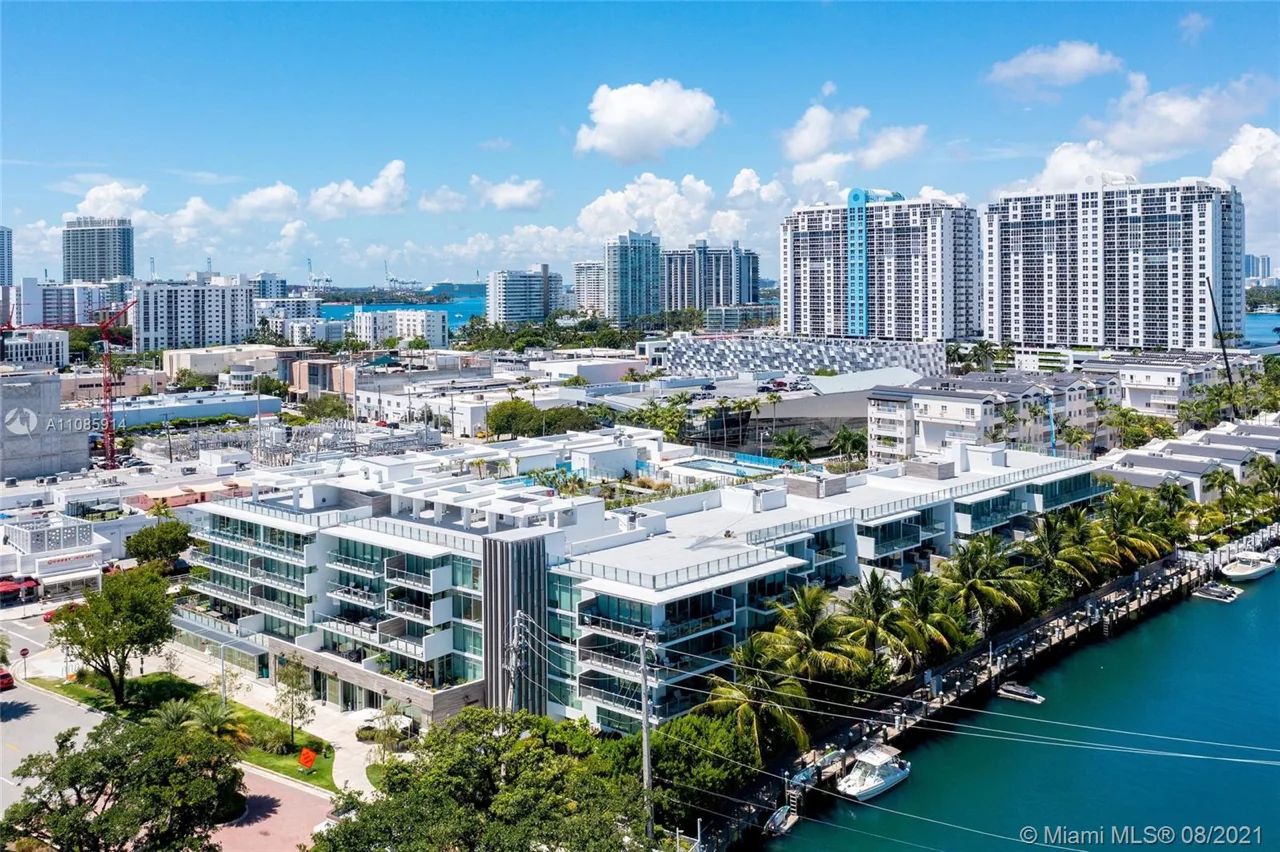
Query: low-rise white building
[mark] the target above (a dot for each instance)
(1157, 383)
(373, 327)
(46, 346)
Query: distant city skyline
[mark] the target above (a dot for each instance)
(446, 163)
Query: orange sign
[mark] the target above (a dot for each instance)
(307, 758)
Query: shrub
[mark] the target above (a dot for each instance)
(366, 734)
(270, 737)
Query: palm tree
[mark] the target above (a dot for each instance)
(876, 623)
(793, 446)
(922, 605)
(1133, 522)
(809, 641)
(773, 398)
(982, 353)
(160, 509)
(170, 714)
(763, 704)
(219, 721)
(982, 582)
(955, 357)
(1005, 353)
(1222, 481)
(1048, 549)
(722, 409)
(849, 443)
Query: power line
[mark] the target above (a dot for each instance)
(986, 733)
(838, 795)
(802, 816)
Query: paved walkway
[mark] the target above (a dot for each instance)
(279, 815)
(350, 756)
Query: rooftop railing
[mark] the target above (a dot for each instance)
(425, 533)
(676, 576)
(318, 518)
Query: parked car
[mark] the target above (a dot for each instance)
(6, 681)
(764, 388)
(71, 607)
(709, 386)
(779, 384)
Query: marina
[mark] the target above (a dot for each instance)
(931, 718)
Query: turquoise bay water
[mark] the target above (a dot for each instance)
(461, 309)
(1201, 670)
(1259, 330)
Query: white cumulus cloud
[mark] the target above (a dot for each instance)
(511, 194)
(442, 200)
(889, 144)
(268, 203)
(640, 121)
(1252, 163)
(828, 89)
(1060, 65)
(747, 187)
(819, 128)
(932, 193)
(1073, 165)
(384, 194)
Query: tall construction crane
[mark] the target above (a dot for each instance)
(108, 417)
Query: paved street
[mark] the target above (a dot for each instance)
(30, 632)
(29, 720)
(280, 816)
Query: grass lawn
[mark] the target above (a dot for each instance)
(149, 690)
(376, 772)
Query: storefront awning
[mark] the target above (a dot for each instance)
(72, 576)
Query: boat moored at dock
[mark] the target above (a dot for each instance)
(1213, 591)
(875, 770)
(1248, 565)
(1015, 691)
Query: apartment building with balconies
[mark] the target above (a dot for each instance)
(1157, 383)
(415, 578)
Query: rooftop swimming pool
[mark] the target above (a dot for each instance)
(729, 468)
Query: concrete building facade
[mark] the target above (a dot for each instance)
(95, 249)
(531, 295)
(203, 311)
(1145, 266)
(632, 277)
(588, 286)
(880, 267)
(701, 276)
(39, 438)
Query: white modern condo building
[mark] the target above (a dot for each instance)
(516, 295)
(418, 579)
(880, 266)
(702, 276)
(375, 327)
(1144, 266)
(588, 285)
(205, 310)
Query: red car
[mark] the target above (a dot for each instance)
(6, 681)
(48, 616)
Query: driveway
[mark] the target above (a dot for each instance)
(280, 816)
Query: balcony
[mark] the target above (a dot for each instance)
(297, 585)
(722, 615)
(279, 609)
(218, 563)
(762, 603)
(366, 598)
(371, 568)
(1049, 502)
(409, 579)
(628, 703)
(990, 517)
(587, 617)
(248, 543)
(413, 612)
(910, 537)
(353, 629)
(933, 528)
(609, 662)
(223, 593)
(829, 554)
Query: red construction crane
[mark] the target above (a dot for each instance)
(108, 418)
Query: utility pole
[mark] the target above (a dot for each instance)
(513, 661)
(644, 735)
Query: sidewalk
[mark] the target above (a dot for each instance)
(350, 756)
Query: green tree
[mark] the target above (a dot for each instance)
(173, 713)
(809, 641)
(140, 788)
(575, 382)
(491, 781)
(877, 623)
(418, 343)
(922, 604)
(4, 649)
(793, 446)
(270, 386)
(163, 541)
(982, 354)
(763, 703)
(218, 720)
(326, 407)
(390, 343)
(293, 702)
(160, 509)
(191, 380)
(773, 398)
(849, 443)
(129, 617)
(983, 583)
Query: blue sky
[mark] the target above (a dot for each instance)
(446, 139)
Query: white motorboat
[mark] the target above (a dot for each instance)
(874, 771)
(1015, 691)
(1216, 592)
(1248, 565)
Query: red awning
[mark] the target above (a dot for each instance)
(30, 584)
(9, 586)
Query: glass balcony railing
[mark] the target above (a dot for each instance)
(278, 581)
(996, 516)
(354, 564)
(409, 579)
(910, 537)
(225, 593)
(218, 563)
(829, 554)
(411, 611)
(628, 702)
(279, 609)
(1055, 501)
(368, 598)
(248, 543)
(588, 617)
(720, 616)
